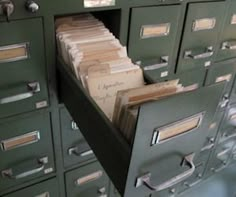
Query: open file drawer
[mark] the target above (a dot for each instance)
(126, 164)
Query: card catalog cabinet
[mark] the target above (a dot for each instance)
(26, 146)
(193, 41)
(23, 85)
(45, 189)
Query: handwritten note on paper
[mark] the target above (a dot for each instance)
(104, 88)
(98, 3)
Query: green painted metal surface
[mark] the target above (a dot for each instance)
(21, 154)
(75, 148)
(16, 96)
(87, 181)
(201, 31)
(45, 189)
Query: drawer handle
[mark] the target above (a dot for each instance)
(189, 54)
(75, 151)
(229, 45)
(9, 173)
(146, 179)
(164, 61)
(32, 87)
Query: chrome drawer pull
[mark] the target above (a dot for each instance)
(10, 174)
(229, 45)
(75, 151)
(32, 87)
(189, 54)
(164, 61)
(46, 194)
(146, 179)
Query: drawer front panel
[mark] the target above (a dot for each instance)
(224, 71)
(26, 146)
(213, 129)
(194, 79)
(46, 189)
(203, 24)
(153, 35)
(163, 160)
(90, 180)
(227, 44)
(221, 157)
(228, 127)
(22, 67)
(75, 148)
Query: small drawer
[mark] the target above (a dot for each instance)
(75, 148)
(26, 149)
(22, 52)
(224, 71)
(148, 165)
(201, 31)
(213, 129)
(193, 79)
(45, 189)
(228, 126)
(152, 38)
(221, 156)
(227, 40)
(90, 180)
(233, 94)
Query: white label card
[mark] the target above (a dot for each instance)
(233, 19)
(98, 3)
(204, 24)
(158, 30)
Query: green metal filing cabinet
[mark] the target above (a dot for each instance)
(56, 142)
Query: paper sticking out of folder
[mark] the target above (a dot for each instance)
(129, 101)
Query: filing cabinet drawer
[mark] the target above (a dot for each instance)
(22, 67)
(153, 35)
(221, 157)
(228, 127)
(227, 44)
(90, 180)
(193, 78)
(45, 189)
(75, 148)
(148, 165)
(213, 129)
(224, 71)
(26, 146)
(233, 93)
(203, 24)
